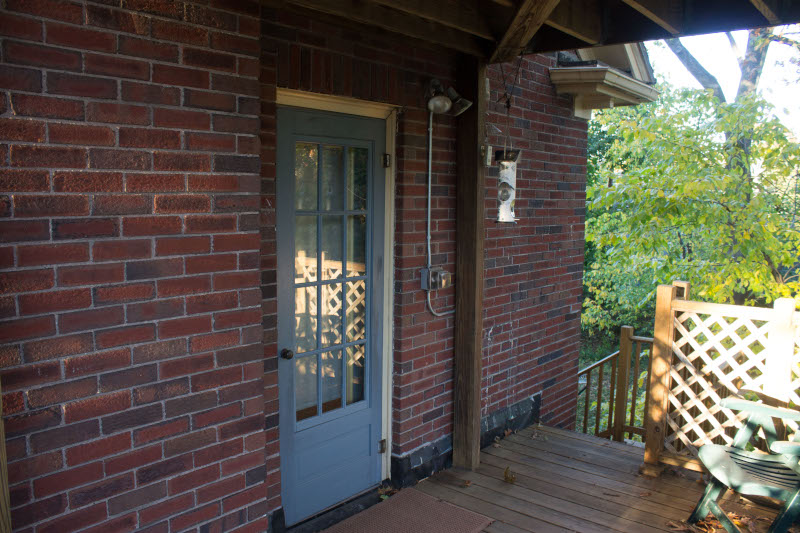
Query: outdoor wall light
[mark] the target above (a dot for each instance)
(507, 184)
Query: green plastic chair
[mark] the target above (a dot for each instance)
(775, 475)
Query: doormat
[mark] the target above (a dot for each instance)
(412, 510)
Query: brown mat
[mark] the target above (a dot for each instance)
(411, 510)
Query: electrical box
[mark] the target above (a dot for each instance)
(435, 278)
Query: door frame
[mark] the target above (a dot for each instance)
(387, 113)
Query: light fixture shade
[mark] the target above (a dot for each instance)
(439, 104)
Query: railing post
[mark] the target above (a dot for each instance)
(780, 351)
(623, 373)
(659, 381)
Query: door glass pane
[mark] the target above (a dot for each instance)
(355, 373)
(305, 249)
(331, 314)
(305, 176)
(332, 177)
(305, 319)
(305, 386)
(357, 167)
(331, 380)
(356, 245)
(331, 247)
(356, 310)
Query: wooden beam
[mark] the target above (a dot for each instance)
(666, 13)
(398, 22)
(470, 219)
(529, 18)
(463, 18)
(579, 18)
(768, 8)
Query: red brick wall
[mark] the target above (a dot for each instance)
(131, 358)
(532, 297)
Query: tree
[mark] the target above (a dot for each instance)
(702, 190)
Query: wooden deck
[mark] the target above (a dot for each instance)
(569, 481)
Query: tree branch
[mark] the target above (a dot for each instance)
(735, 47)
(752, 64)
(704, 77)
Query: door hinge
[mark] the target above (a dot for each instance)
(387, 160)
(382, 446)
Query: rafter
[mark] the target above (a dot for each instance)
(465, 18)
(398, 22)
(530, 16)
(665, 13)
(578, 18)
(768, 8)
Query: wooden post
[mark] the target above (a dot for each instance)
(780, 351)
(5, 503)
(659, 381)
(470, 195)
(623, 375)
(684, 289)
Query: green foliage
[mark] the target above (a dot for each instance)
(700, 191)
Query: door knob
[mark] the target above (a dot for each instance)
(286, 353)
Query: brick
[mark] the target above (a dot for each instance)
(83, 228)
(216, 491)
(237, 44)
(164, 8)
(81, 38)
(163, 469)
(210, 263)
(132, 418)
(235, 280)
(51, 205)
(216, 378)
(155, 225)
(121, 249)
(150, 94)
(183, 286)
(61, 437)
(117, 113)
(181, 161)
(81, 134)
(75, 520)
(215, 416)
(153, 268)
(129, 377)
(115, 19)
(52, 9)
(210, 223)
(155, 183)
(169, 75)
(211, 302)
(134, 459)
(234, 124)
(214, 341)
(235, 319)
(194, 479)
(29, 422)
(119, 159)
(79, 85)
(62, 392)
(183, 245)
(65, 480)
(183, 33)
(98, 449)
(216, 453)
(13, 129)
(155, 310)
(235, 243)
(91, 274)
(190, 442)
(183, 203)
(6, 257)
(191, 403)
(48, 107)
(20, 79)
(159, 511)
(211, 142)
(137, 498)
(134, 46)
(38, 510)
(127, 335)
(123, 524)
(116, 66)
(53, 301)
(160, 431)
(160, 391)
(58, 347)
(97, 406)
(101, 490)
(189, 365)
(12, 180)
(124, 293)
(97, 362)
(181, 327)
(24, 230)
(42, 56)
(122, 204)
(209, 100)
(207, 59)
(181, 119)
(32, 467)
(242, 463)
(159, 350)
(20, 27)
(47, 156)
(13, 403)
(149, 138)
(26, 280)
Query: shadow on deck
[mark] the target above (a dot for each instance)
(568, 481)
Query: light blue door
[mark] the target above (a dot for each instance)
(330, 231)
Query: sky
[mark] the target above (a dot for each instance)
(780, 84)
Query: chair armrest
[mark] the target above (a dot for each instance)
(737, 404)
(785, 447)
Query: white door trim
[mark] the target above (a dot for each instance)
(388, 113)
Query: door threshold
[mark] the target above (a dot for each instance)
(335, 514)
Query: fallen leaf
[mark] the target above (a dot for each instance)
(645, 494)
(508, 476)
(467, 483)
(508, 432)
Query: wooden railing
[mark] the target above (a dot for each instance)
(616, 397)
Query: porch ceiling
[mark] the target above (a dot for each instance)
(498, 30)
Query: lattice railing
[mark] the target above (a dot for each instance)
(705, 352)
